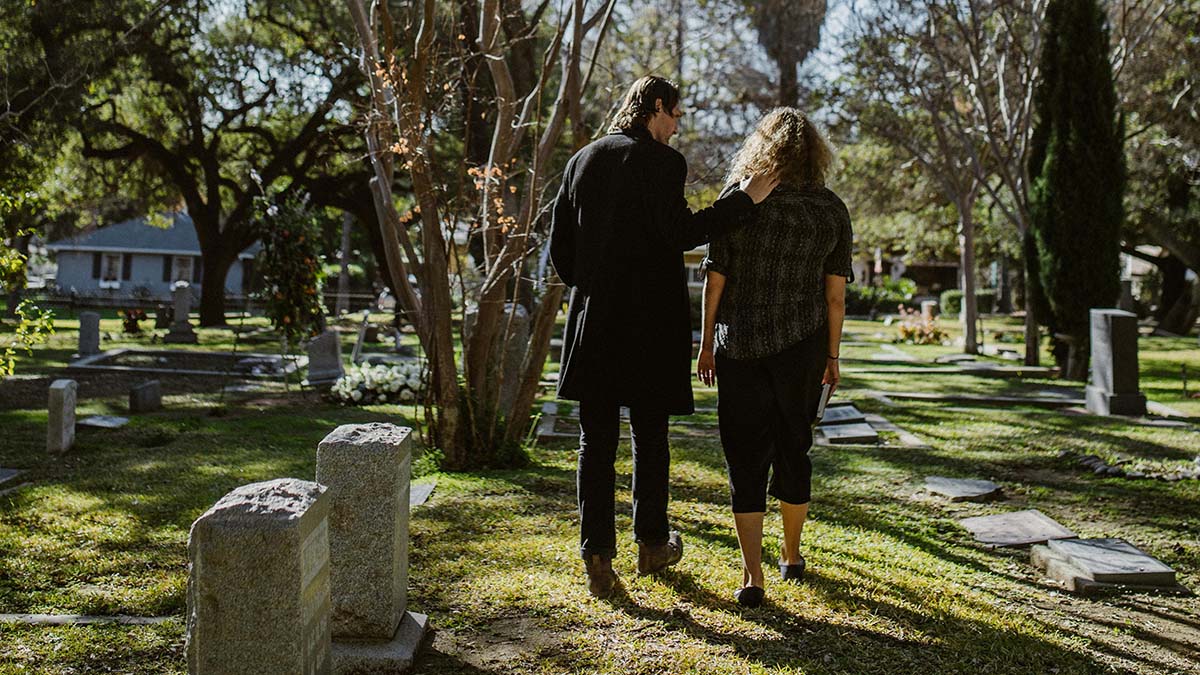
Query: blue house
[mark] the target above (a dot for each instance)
(135, 259)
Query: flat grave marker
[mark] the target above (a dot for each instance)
(103, 422)
(1114, 561)
(962, 489)
(419, 492)
(8, 474)
(855, 432)
(842, 414)
(1019, 528)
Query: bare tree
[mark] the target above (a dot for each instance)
(407, 81)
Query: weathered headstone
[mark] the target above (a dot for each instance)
(258, 589)
(419, 492)
(1114, 561)
(145, 397)
(356, 354)
(162, 316)
(367, 469)
(508, 357)
(89, 333)
(325, 358)
(60, 435)
(181, 329)
(961, 489)
(1114, 386)
(1019, 528)
(929, 310)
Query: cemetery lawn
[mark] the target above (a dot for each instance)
(894, 584)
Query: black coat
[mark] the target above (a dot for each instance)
(621, 225)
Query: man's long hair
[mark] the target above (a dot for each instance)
(784, 141)
(638, 107)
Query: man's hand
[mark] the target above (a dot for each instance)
(832, 375)
(706, 366)
(758, 187)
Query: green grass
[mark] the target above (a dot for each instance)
(895, 585)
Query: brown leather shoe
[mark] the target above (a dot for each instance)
(602, 580)
(657, 557)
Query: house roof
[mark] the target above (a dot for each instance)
(137, 235)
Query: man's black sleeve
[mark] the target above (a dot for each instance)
(684, 229)
(563, 229)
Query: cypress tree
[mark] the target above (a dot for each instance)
(1077, 173)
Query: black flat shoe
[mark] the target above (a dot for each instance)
(750, 596)
(792, 572)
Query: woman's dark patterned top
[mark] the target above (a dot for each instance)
(775, 270)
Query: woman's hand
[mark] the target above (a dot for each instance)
(706, 366)
(832, 375)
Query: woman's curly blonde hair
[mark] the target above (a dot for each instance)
(784, 141)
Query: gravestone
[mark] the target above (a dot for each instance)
(356, 354)
(181, 329)
(1019, 528)
(841, 414)
(89, 333)
(145, 397)
(1114, 386)
(418, 492)
(9, 474)
(854, 432)
(509, 356)
(367, 470)
(162, 316)
(929, 310)
(60, 435)
(258, 588)
(103, 422)
(1114, 561)
(962, 489)
(325, 358)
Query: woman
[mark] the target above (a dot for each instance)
(774, 301)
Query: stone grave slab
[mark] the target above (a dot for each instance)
(324, 359)
(258, 585)
(1058, 567)
(60, 428)
(855, 432)
(181, 331)
(955, 358)
(393, 656)
(8, 474)
(89, 333)
(841, 414)
(962, 489)
(1114, 561)
(419, 492)
(103, 422)
(1019, 528)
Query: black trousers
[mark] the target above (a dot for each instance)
(600, 430)
(766, 408)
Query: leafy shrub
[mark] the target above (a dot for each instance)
(985, 301)
(291, 267)
(365, 384)
(862, 299)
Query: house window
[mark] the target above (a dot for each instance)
(110, 270)
(181, 268)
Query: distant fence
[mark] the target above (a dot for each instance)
(73, 304)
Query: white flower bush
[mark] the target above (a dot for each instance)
(365, 384)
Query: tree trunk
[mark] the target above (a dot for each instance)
(970, 308)
(789, 86)
(1079, 349)
(1033, 340)
(215, 266)
(1181, 316)
(541, 328)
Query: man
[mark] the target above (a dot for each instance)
(621, 225)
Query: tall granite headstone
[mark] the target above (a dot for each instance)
(325, 358)
(60, 432)
(258, 588)
(89, 333)
(367, 468)
(181, 329)
(1114, 386)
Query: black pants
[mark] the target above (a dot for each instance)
(766, 408)
(600, 429)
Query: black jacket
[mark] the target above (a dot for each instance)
(621, 225)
